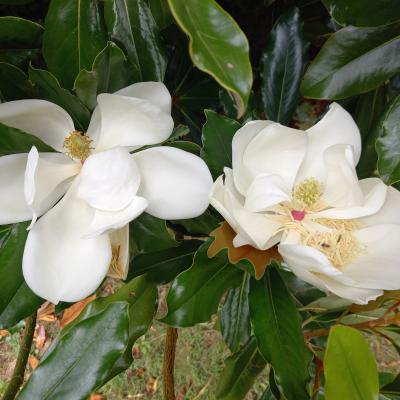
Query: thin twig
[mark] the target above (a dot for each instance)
(169, 361)
(19, 371)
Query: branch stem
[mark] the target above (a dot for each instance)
(169, 362)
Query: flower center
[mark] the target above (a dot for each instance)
(307, 193)
(77, 145)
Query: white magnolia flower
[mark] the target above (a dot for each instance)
(71, 247)
(300, 189)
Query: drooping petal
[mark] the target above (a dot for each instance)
(46, 120)
(174, 182)
(131, 121)
(389, 213)
(374, 193)
(276, 150)
(47, 177)
(265, 192)
(377, 267)
(336, 127)
(13, 207)
(58, 264)
(119, 266)
(109, 179)
(240, 141)
(107, 221)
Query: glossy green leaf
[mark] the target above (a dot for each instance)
(14, 83)
(132, 26)
(204, 224)
(74, 35)
(163, 266)
(149, 234)
(49, 89)
(110, 72)
(82, 357)
(217, 45)
(388, 143)
(217, 137)
(19, 33)
(16, 2)
(241, 370)
(363, 12)
(235, 316)
(349, 366)
(277, 327)
(17, 301)
(353, 61)
(282, 66)
(161, 13)
(185, 145)
(195, 294)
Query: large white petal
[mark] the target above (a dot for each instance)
(109, 179)
(107, 221)
(47, 178)
(240, 141)
(378, 266)
(374, 193)
(130, 121)
(389, 213)
(58, 264)
(174, 182)
(46, 120)
(277, 150)
(336, 127)
(13, 207)
(119, 239)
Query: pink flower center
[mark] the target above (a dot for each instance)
(298, 215)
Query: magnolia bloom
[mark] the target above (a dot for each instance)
(300, 189)
(104, 180)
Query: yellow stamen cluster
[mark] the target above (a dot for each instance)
(339, 224)
(116, 270)
(307, 193)
(77, 145)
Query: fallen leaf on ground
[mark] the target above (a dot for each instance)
(39, 337)
(33, 361)
(72, 312)
(4, 333)
(47, 312)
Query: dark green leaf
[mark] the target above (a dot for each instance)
(74, 35)
(217, 137)
(14, 84)
(50, 89)
(277, 327)
(388, 143)
(349, 366)
(110, 72)
(282, 66)
(150, 234)
(217, 45)
(17, 301)
(82, 357)
(363, 12)
(20, 57)
(16, 2)
(352, 61)
(241, 370)
(204, 224)
(195, 294)
(132, 26)
(235, 316)
(161, 13)
(185, 145)
(163, 266)
(19, 33)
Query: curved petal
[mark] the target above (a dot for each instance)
(130, 121)
(336, 127)
(47, 177)
(119, 266)
(389, 213)
(374, 193)
(109, 179)
(276, 150)
(378, 266)
(174, 182)
(13, 207)
(106, 221)
(265, 192)
(46, 120)
(153, 92)
(341, 185)
(58, 264)
(240, 141)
